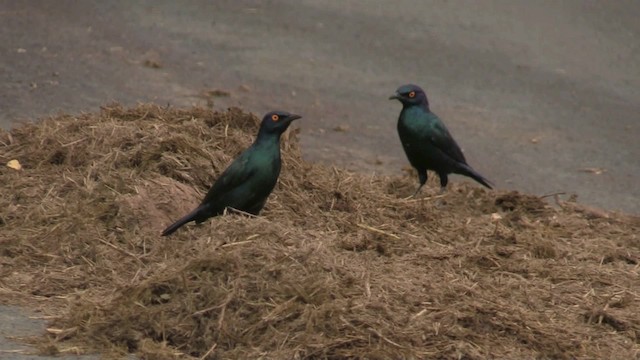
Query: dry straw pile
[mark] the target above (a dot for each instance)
(339, 265)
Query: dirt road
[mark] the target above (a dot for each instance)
(541, 95)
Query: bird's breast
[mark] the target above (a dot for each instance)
(268, 167)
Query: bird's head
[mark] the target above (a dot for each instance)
(277, 121)
(410, 95)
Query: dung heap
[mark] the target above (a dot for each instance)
(338, 265)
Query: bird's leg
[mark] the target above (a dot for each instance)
(422, 176)
(231, 210)
(444, 180)
(417, 191)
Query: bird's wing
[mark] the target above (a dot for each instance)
(441, 138)
(236, 174)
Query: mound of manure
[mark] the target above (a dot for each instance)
(339, 264)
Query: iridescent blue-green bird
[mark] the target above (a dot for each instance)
(427, 142)
(246, 184)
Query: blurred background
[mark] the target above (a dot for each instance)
(543, 96)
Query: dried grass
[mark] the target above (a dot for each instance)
(339, 265)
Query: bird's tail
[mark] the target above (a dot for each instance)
(183, 220)
(468, 171)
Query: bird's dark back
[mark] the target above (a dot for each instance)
(248, 181)
(419, 128)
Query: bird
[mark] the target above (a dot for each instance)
(427, 141)
(247, 183)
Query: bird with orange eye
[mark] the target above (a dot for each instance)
(279, 121)
(427, 142)
(246, 184)
(410, 95)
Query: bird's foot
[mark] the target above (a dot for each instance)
(415, 194)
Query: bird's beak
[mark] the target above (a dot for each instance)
(394, 97)
(293, 117)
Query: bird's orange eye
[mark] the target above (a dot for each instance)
(275, 117)
(412, 94)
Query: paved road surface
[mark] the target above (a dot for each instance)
(503, 74)
(534, 91)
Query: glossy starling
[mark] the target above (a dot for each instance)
(427, 142)
(248, 181)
